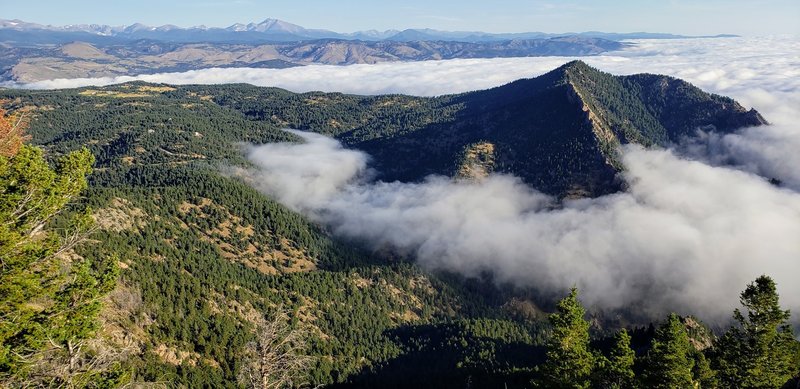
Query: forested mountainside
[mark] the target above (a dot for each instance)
(203, 254)
(203, 257)
(559, 132)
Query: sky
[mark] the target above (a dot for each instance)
(690, 17)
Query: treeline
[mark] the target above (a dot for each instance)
(759, 351)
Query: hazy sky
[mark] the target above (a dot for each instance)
(745, 17)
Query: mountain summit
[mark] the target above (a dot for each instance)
(560, 132)
(272, 25)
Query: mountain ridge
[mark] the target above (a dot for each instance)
(146, 56)
(560, 132)
(286, 31)
(31, 52)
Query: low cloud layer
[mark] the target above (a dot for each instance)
(772, 151)
(686, 236)
(697, 224)
(719, 65)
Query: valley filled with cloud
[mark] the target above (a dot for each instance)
(697, 223)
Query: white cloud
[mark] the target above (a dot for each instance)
(686, 236)
(308, 184)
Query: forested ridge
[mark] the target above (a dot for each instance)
(559, 132)
(202, 257)
(203, 254)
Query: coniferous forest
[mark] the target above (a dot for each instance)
(132, 256)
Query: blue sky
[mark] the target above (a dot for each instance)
(745, 17)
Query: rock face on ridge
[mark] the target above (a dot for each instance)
(559, 132)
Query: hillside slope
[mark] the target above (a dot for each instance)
(203, 255)
(559, 132)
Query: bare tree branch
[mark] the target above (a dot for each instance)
(276, 359)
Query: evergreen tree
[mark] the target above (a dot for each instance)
(616, 370)
(669, 362)
(48, 304)
(760, 350)
(702, 372)
(569, 362)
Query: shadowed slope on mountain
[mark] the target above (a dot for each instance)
(559, 132)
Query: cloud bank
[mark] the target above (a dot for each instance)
(719, 65)
(686, 236)
(697, 224)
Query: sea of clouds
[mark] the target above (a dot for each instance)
(697, 224)
(686, 236)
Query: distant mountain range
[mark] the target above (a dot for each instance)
(270, 30)
(86, 60)
(32, 52)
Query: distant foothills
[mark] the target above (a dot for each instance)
(31, 52)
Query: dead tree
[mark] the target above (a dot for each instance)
(276, 358)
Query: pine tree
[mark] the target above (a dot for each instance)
(569, 362)
(616, 370)
(48, 305)
(702, 372)
(669, 362)
(760, 350)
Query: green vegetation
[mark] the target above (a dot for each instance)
(569, 361)
(49, 300)
(203, 258)
(669, 362)
(761, 350)
(616, 370)
(767, 356)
